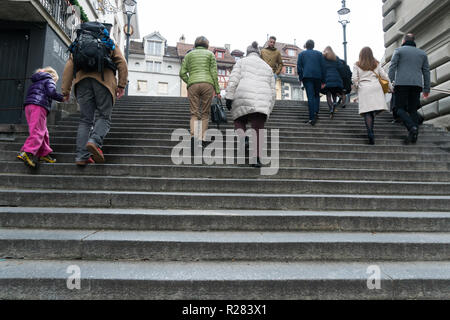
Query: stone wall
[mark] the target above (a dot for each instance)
(428, 20)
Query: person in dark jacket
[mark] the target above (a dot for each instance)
(311, 72)
(410, 73)
(346, 75)
(37, 106)
(333, 80)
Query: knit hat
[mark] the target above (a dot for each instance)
(253, 48)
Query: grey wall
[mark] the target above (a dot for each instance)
(55, 53)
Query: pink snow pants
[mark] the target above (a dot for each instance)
(38, 142)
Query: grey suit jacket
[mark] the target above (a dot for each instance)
(410, 67)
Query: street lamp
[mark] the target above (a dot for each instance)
(130, 10)
(344, 19)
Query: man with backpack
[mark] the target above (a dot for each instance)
(91, 69)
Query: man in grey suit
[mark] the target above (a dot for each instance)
(410, 74)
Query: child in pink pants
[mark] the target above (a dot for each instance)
(37, 106)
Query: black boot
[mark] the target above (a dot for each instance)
(412, 135)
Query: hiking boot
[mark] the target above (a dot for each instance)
(97, 153)
(83, 163)
(47, 159)
(27, 158)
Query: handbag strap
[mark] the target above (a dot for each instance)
(378, 76)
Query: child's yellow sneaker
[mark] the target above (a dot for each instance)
(27, 158)
(47, 159)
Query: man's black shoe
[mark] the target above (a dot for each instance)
(412, 136)
(414, 133)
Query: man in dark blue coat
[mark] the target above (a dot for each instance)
(311, 72)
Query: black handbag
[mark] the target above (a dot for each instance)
(218, 113)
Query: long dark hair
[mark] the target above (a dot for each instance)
(367, 62)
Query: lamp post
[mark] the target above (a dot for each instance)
(344, 19)
(130, 10)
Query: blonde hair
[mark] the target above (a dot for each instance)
(329, 54)
(51, 71)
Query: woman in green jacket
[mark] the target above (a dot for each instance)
(199, 71)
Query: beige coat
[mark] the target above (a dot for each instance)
(368, 87)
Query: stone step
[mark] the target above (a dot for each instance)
(228, 172)
(297, 131)
(213, 201)
(221, 246)
(305, 150)
(164, 140)
(118, 138)
(314, 162)
(222, 220)
(275, 118)
(227, 185)
(224, 280)
(337, 127)
(286, 144)
(285, 136)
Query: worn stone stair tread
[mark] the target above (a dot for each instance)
(223, 212)
(227, 185)
(225, 220)
(116, 169)
(226, 271)
(237, 194)
(314, 162)
(260, 179)
(223, 237)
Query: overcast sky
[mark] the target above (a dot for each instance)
(239, 22)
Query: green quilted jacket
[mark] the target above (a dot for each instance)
(200, 66)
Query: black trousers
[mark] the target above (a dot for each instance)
(407, 102)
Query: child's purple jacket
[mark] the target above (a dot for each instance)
(43, 91)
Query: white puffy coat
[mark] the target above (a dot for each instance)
(251, 87)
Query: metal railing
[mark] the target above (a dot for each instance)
(441, 90)
(63, 13)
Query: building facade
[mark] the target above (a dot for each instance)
(154, 67)
(429, 21)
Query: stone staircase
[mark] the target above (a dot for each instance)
(141, 227)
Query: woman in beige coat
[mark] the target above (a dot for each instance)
(370, 93)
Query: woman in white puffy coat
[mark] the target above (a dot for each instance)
(251, 94)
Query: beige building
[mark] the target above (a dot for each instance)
(429, 21)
